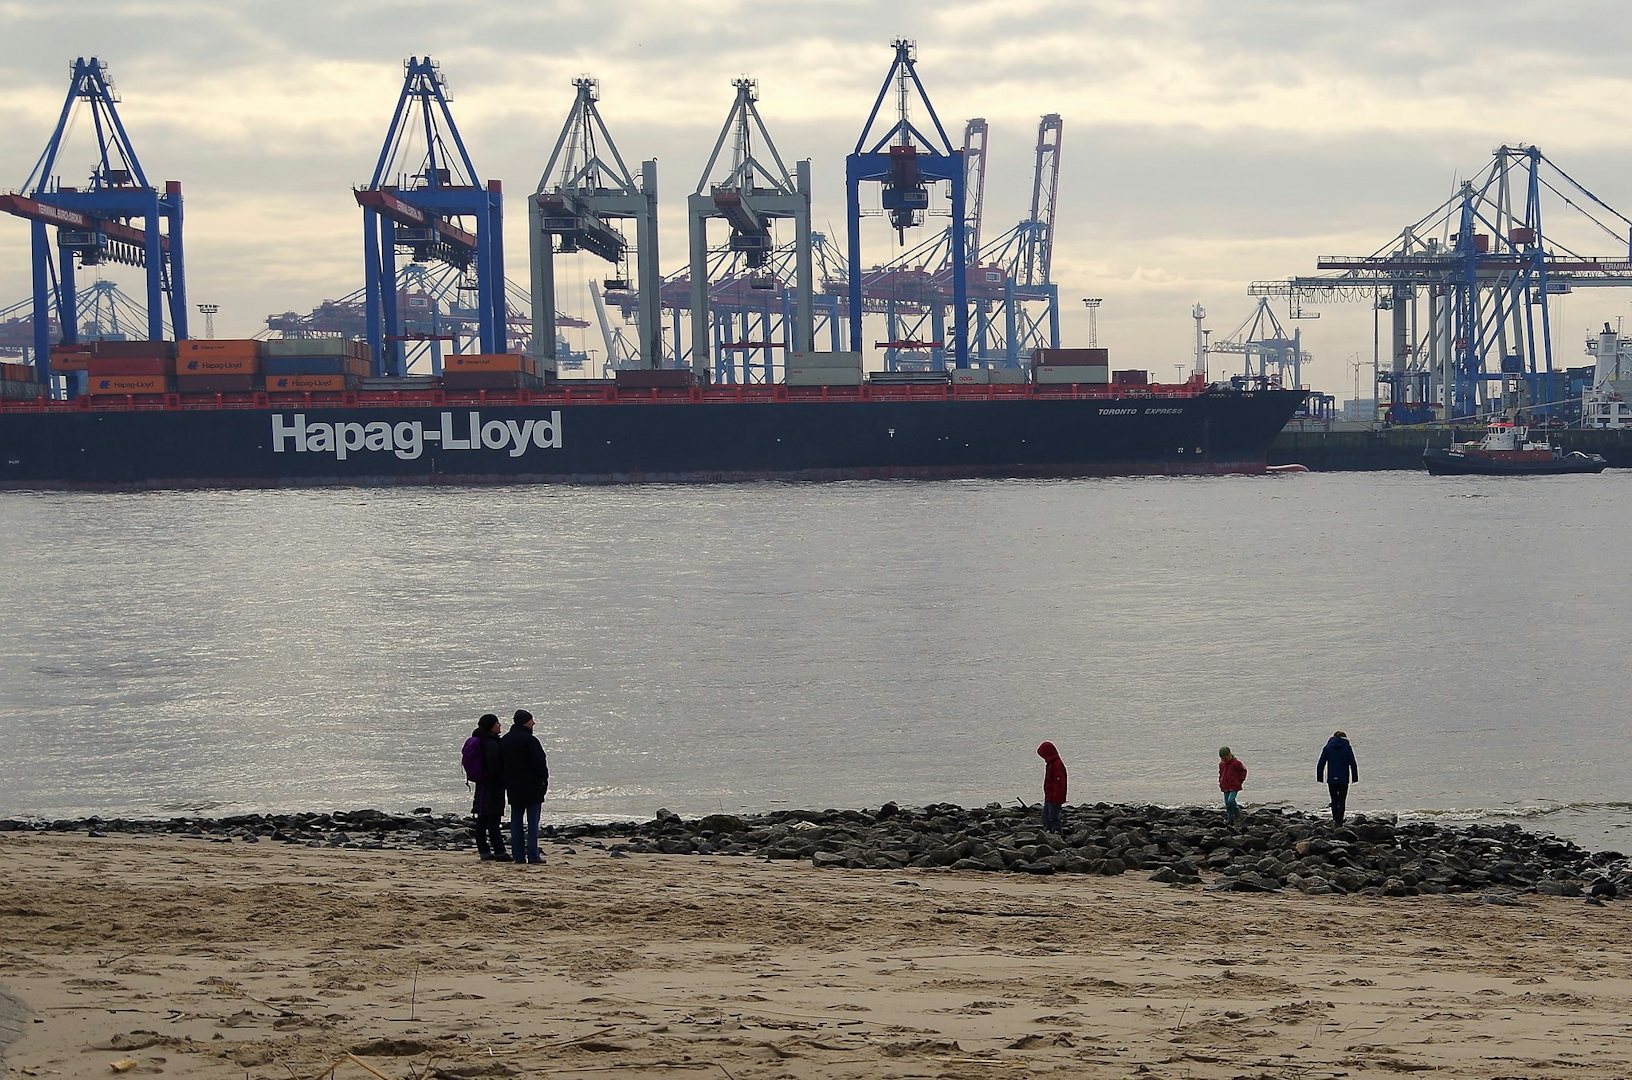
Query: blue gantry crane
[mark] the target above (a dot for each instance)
(1030, 308)
(116, 217)
(904, 161)
(415, 202)
(756, 191)
(585, 187)
(1468, 289)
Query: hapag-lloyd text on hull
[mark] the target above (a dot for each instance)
(407, 439)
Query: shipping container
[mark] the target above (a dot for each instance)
(302, 383)
(909, 378)
(822, 376)
(310, 365)
(217, 384)
(1069, 357)
(490, 380)
(399, 382)
(131, 365)
(1069, 373)
(128, 384)
(70, 357)
(669, 378)
(971, 377)
(133, 348)
(17, 372)
(20, 390)
(193, 365)
(488, 362)
(325, 345)
(1130, 378)
(219, 348)
(808, 360)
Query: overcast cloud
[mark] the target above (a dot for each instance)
(1206, 144)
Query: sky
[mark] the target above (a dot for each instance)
(1205, 144)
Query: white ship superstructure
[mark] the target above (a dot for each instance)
(1606, 404)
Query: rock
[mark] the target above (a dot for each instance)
(721, 823)
(1502, 898)
(1165, 874)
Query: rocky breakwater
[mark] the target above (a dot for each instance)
(369, 829)
(1270, 850)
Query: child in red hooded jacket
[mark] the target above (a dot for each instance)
(1232, 774)
(1053, 787)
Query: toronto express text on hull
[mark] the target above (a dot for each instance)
(651, 437)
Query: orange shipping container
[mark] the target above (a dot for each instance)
(287, 384)
(70, 361)
(237, 348)
(488, 362)
(212, 364)
(130, 384)
(16, 373)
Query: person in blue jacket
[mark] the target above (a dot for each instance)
(1336, 767)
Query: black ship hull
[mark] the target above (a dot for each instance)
(648, 439)
(1442, 462)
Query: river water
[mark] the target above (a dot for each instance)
(761, 646)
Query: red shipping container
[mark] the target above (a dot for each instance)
(133, 348)
(1071, 357)
(643, 378)
(131, 365)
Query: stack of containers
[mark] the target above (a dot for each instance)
(313, 364)
(823, 369)
(1070, 366)
(490, 371)
(218, 366)
(68, 359)
(130, 367)
(17, 383)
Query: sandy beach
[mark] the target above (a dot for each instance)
(189, 958)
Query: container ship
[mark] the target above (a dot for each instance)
(302, 412)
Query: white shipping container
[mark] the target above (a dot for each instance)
(327, 345)
(971, 377)
(1047, 374)
(809, 360)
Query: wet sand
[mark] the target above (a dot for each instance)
(194, 959)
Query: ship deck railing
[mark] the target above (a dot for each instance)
(562, 394)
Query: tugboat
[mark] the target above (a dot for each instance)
(1508, 450)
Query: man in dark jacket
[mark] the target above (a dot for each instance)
(1337, 768)
(526, 779)
(484, 767)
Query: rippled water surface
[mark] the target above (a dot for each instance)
(762, 646)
